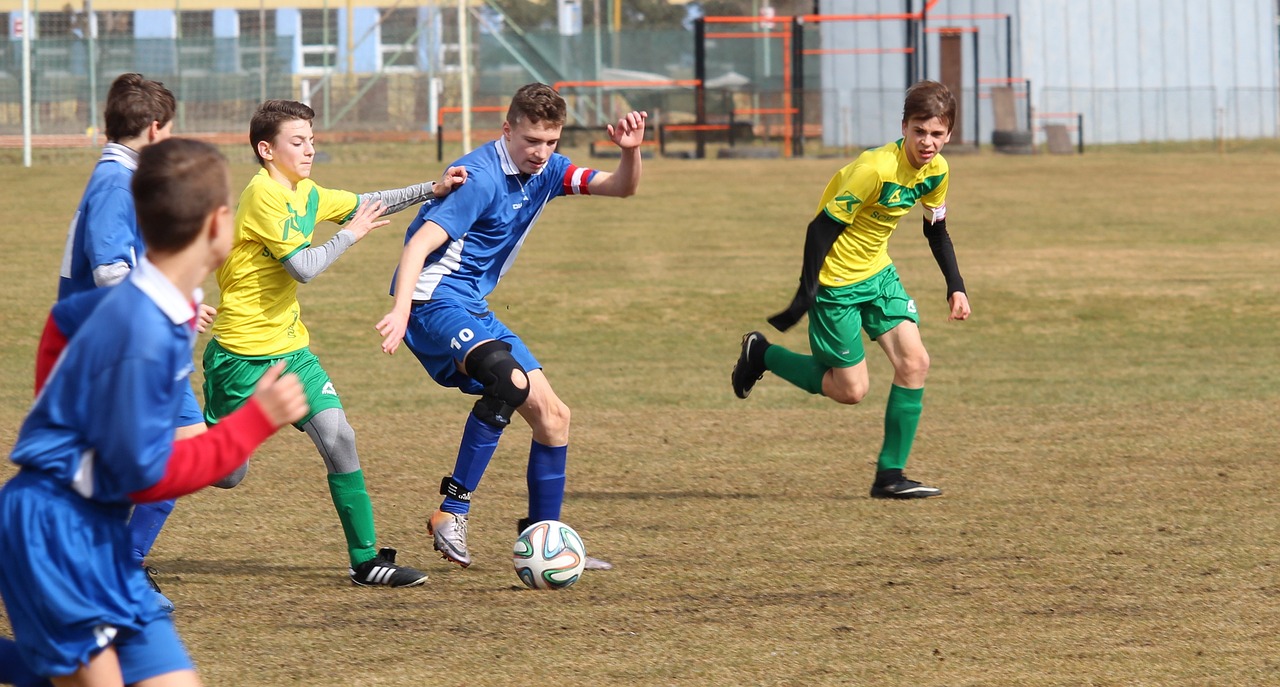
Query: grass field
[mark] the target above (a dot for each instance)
(1104, 427)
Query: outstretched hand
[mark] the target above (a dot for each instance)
(392, 327)
(629, 132)
(366, 219)
(452, 178)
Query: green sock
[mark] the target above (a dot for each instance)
(355, 510)
(801, 370)
(901, 418)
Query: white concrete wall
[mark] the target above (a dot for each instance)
(1138, 70)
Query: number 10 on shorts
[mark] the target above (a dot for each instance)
(463, 336)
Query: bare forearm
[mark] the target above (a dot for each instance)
(627, 177)
(412, 259)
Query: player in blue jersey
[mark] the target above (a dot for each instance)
(100, 438)
(104, 245)
(455, 252)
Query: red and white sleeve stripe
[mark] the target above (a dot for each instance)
(576, 180)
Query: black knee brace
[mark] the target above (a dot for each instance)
(491, 364)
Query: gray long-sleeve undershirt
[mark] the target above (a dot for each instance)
(308, 263)
(397, 199)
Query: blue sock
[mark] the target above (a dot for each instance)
(546, 480)
(479, 441)
(13, 671)
(144, 526)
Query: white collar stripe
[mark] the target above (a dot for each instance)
(114, 152)
(504, 157)
(148, 278)
(508, 165)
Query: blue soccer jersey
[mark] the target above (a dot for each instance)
(100, 429)
(487, 220)
(71, 312)
(103, 424)
(104, 230)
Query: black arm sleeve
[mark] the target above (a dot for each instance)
(945, 254)
(821, 236)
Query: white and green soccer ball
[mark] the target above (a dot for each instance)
(549, 555)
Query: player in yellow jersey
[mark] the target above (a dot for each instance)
(259, 324)
(848, 284)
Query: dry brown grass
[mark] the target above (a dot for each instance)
(1104, 429)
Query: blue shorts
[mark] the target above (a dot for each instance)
(190, 413)
(71, 587)
(440, 333)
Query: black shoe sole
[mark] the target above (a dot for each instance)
(903, 497)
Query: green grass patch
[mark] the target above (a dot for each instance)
(1104, 428)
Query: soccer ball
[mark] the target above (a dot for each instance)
(548, 555)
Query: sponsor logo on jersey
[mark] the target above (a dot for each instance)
(849, 201)
(894, 196)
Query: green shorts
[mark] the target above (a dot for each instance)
(229, 381)
(839, 314)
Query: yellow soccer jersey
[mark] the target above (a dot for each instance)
(869, 196)
(259, 314)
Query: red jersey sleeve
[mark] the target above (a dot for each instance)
(202, 460)
(52, 343)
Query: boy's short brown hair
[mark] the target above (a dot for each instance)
(270, 115)
(928, 99)
(133, 102)
(178, 183)
(537, 103)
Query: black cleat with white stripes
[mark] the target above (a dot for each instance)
(382, 571)
(903, 488)
(750, 366)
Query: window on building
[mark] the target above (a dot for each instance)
(449, 51)
(397, 42)
(7, 60)
(56, 24)
(195, 24)
(257, 38)
(254, 23)
(116, 46)
(117, 24)
(319, 39)
(196, 45)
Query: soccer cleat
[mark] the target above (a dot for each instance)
(750, 366)
(381, 570)
(903, 488)
(450, 533)
(588, 562)
(163, 601)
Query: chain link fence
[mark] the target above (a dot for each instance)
(394, 72)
